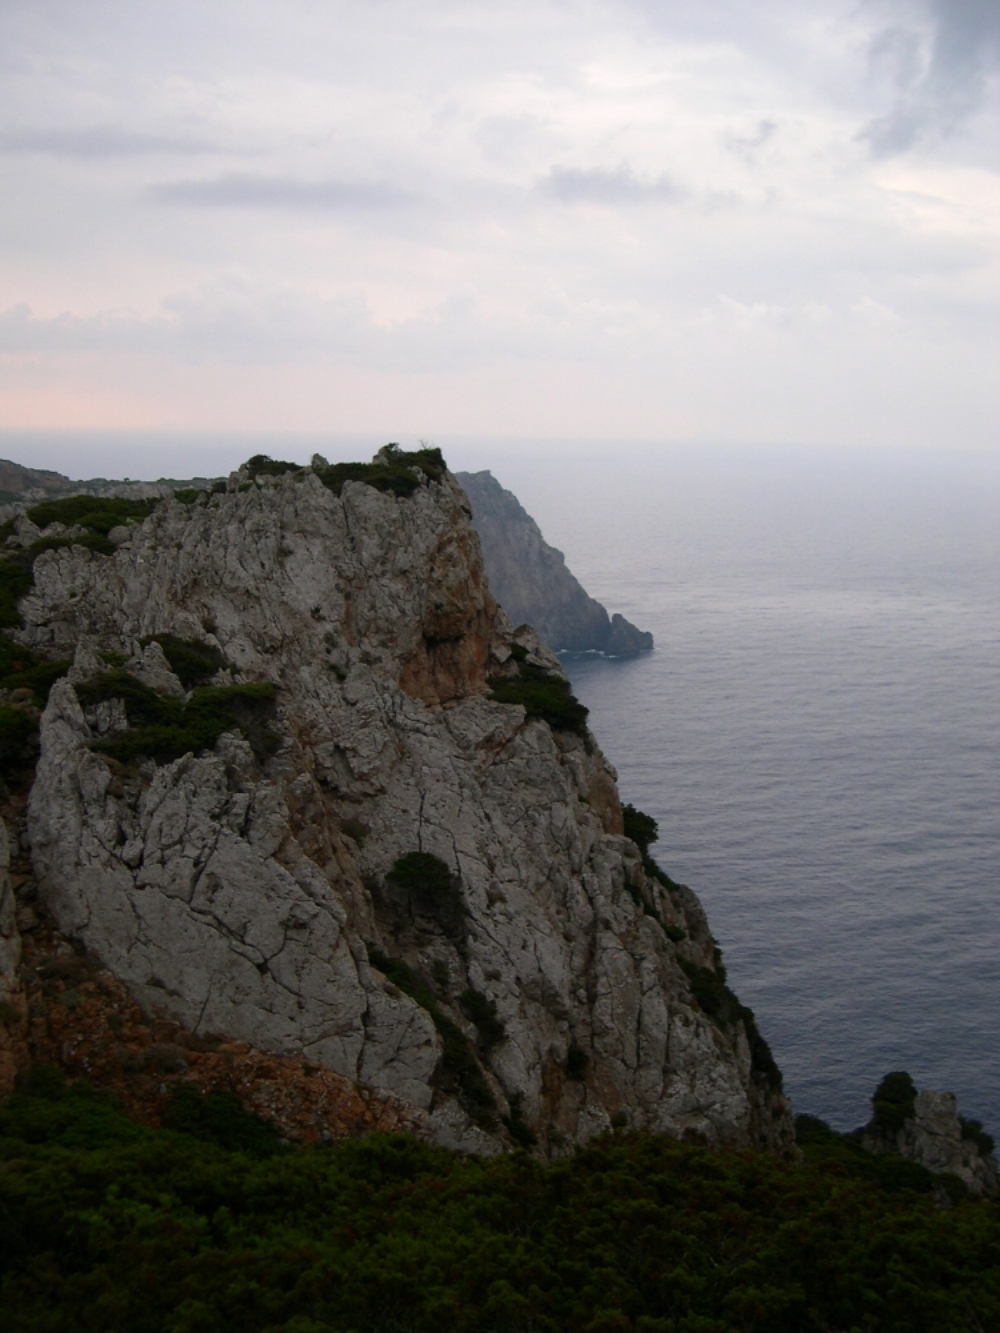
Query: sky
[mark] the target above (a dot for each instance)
(676, 220)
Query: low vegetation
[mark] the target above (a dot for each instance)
(164, 729)
(191, 660)
(22, 669)
(32, 675)
(213, 1226)
(96, 516)
(398, 476)
(541, 695)
(421, 885)
(458, 1071)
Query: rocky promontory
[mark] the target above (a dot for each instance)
(530, 579)
(300, 789)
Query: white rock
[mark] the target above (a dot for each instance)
(229, 898)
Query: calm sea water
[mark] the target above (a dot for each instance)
(817, 733)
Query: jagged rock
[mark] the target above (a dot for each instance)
(150, 666)
(531, 581)
(931, 1133)
(252, 897)
(624, 639)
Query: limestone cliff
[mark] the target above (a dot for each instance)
(305, 788)
(532, 583)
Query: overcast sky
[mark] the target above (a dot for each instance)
(761, 220)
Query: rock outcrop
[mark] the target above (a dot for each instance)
(532, 583)
(926, 1127)
(337, 844)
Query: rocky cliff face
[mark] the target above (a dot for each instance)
(530, 579)
(305, 788)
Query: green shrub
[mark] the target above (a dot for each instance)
(542, 695)
(482, 1011)
(16, 580)
(718, 1003)
(458, 1071)
(106, 1225)
(398, 476)
(973, 1131)
(262, 466)
(17, 729)
(97, 513)
(893, 1102)
(22, 669)
(516, 1125)
(191, 660)
(220, 1117)
(642, 829)
(164, 729)
(187, 495)
(422, 885)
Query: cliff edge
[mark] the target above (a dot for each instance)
(532, 583)
(305, 788)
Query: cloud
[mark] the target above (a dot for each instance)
(940, 82)
(98, 141)
(602, 185)
(283, 192)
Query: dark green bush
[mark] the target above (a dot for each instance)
(20, 668)
(893, 1102)
(458, 1071)
(642, 829)
(262, 466)
(220, 1117)
(106, 1226)
(164, 729)
(16, 580)
(17, 729)
(482, 1011)
(187, 495)
(191, 660)
(422, 885)
(516, 1125)
(398, 476)
(719, 1003)
(98, 514)
(973, 1130)
(542, 695)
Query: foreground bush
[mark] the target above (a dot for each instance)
(108, 1226)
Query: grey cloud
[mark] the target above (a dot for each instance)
(939, 89)
(98, 141)
(601, 185)
(285, 192)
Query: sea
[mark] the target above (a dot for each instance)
(817, 732)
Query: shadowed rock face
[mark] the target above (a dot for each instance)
(250, 893)
(530, 579)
